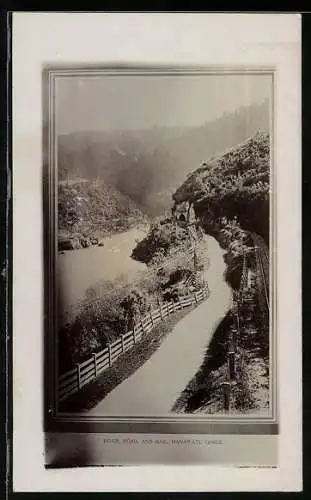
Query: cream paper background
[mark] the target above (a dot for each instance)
(245, 40)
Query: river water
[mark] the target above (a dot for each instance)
(78, 270)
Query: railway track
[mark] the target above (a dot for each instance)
(262, 260)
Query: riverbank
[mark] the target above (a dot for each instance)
(81, 272)
(77, 241)
(89, 211)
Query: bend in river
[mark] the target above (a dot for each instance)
(80, 269)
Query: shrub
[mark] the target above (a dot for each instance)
(161, 238)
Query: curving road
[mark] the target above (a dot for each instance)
(154, 388)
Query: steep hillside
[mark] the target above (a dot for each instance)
(227, 197)
(88, 210)
(232, 185)
(147, 165)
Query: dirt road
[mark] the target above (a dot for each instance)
(153, 389)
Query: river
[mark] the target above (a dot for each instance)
(79, 270)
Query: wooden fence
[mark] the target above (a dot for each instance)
(73, 380)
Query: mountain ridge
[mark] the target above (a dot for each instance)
(148, 165)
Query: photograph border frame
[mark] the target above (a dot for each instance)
(54, 421)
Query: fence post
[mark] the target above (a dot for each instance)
(232, 365)
(78, 375)
(238, 318)
(109, 353)
(151, 318)
(196, 297)
(134, 334)
(122, 342)
(142, 325)
(234, 339)
(160, 308)
(95, 363)
(226, 394)
(161, 313)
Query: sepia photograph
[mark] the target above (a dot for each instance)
(156, 228)
(163, 202)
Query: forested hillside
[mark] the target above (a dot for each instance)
(89, 210)
(229, 195)
(147, 165)
(235, 184)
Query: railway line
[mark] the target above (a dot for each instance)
(262, 260)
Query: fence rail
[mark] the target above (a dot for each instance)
(73, 380)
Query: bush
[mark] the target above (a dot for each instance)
(160, 240)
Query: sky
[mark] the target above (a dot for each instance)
(95, 103)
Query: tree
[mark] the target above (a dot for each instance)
(133, 305)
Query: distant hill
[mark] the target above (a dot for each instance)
(148, 165)
(89, 210)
